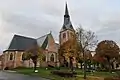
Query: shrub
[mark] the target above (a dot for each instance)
(6, 68)
(50, 66)
(64, 73)
(118, 73)
(111, 78)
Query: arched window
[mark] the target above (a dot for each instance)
(44, 58)
(52, 58)
(23, 56)
(64, 35)
(11, 56)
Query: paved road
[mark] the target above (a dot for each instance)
(14, 76)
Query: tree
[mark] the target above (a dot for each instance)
(86, 40)
(33, 53)
(109, 50)
(88, 56)
(68, 50)
(97, 59)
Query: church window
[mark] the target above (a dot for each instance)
(44, 58)
(68, 34)
(64, 35)
(11, 56)
(23, 56)
(52, 58)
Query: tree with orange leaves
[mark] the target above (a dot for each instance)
(109, 50)
(68, 50)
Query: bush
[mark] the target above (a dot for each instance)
(58, 68)
(50, 66)
(110, 78)
(6, 68)
(64, 73)
(118, 73)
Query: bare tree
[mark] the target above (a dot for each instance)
(86, 40)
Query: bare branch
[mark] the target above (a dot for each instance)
(87, 39)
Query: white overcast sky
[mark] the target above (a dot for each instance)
(35, 18)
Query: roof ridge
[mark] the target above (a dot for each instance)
(23, 36)
(44, 35)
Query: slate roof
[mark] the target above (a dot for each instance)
(57, 45)
(67, 25)
(21, 43)
(43, 41)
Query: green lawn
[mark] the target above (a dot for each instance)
(42, 72)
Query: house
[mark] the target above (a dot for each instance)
(12, 57)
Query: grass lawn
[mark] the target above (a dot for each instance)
(42, 72)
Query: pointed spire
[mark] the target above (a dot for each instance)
(50, 31)
(66, 10)
(67, 23)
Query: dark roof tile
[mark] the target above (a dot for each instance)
(21, 43)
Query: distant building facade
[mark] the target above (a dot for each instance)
(13, 56)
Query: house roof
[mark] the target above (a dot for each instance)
(57, 45)
(43, 41)
(21, 42)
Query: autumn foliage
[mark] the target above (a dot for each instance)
(107, 52)
(70, 48)
(108, 48)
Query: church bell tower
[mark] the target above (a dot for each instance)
(67, 31)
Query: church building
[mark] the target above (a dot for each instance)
(13, 56)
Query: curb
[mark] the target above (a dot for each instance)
(9, 71)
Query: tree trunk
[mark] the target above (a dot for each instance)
(71, 64)
(112, 65)
(84, 64)
(81, 65)
(89, 65)
(35, 64)
(109, 67)
(109, 64)
(94, 65)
